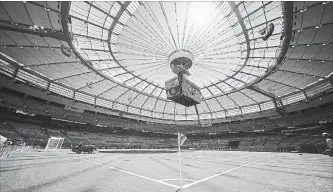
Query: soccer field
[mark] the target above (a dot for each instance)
(211, 171)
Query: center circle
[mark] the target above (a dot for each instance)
(180, 61)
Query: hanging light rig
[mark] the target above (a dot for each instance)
(179, 89)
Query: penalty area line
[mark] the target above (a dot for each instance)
(219, 174)
(134, 174)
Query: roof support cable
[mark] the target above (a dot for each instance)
(210, 111)
(215, 97)
(159, 70)
(143, 45)
(189, 37)
(219, 52)
(202, 45)
(154, 106)
(208, 44)
(185, 24)
(153, 31)
(203, 35)
(299, 73)
(99, 9)
(166, 19)
(213, 70)
(90, 84)
(178, 48)
(48, 64)
(121, 95)
(108, 89)
(153, 42)
(225, 111)
(157, 23)
(129, 104)
(74, 75)
(249, 97)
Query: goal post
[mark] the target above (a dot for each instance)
(54, 143)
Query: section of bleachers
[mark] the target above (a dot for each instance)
(11, 100)
(272, 142)
(222, 143)
(212, 144)
(9, 132)
(36, 107)
(259, 142)
(246, 142)
(31, 132)
(204, 144)
(287, 141)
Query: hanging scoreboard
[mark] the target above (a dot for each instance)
(181, 90)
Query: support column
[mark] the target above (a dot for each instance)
(47, 88)
(279, 101)
(306, 95)
(25, 98)
(15, 74)
(331, 81)
(196, 109)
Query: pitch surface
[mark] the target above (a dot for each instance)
(202, 171)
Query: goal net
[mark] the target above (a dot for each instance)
(54, 143)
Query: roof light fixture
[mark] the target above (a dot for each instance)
(303, 10)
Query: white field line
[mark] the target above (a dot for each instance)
(219, 174)
(134, 174)
(216, 161)
(177, 179)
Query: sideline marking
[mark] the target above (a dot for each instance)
(130, 173)
(219, 174)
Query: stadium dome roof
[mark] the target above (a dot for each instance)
(115, 54)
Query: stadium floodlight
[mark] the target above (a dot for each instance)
(54, 144)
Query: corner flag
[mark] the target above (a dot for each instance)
(181, 139)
